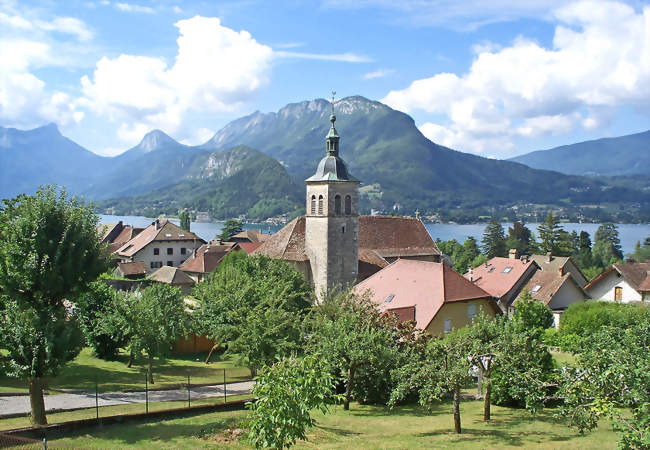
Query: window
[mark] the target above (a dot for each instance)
(389, 298)
(343, 229)
(536, 288)
(313, 204)
(618, 293)
(156, 251)
(170, 251)
(491, 270)
(183, 250)
(155, 264)
(170, 263)
(507, 269)
(337, 204)
(320, 204)
(168, 235)
(348, 205)
(447, 326)
(471, 311)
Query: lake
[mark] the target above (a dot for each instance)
(628, 233)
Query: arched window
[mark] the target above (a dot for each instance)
(313, 204)
(348, 205)
(337, 205)
(320, 204)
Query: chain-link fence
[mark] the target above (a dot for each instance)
(18, 442)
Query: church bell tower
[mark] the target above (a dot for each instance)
(332, 220)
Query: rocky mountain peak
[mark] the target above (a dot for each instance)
(154, 140)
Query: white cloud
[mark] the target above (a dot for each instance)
(600, 60)
(380, 73)
(68, 25)
(130, 7)
(341, 57)
(216, 69)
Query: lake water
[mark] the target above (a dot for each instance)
(628, 233)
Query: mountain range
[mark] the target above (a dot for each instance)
(256, 165)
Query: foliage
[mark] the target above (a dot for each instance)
(285, 394)
(532, 316)
(463, 255)
(520, 238)
(493, 241)
(553, 238)
(230, 228)
(641, 251)
(254, 305)
(91, 306)
(613, 372)
(49, 251)
(607, 245)
(185, 219)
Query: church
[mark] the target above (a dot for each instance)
(332, 245)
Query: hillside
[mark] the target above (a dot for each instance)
(227, 183)
(624, 155)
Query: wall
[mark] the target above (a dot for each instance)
(604, 289)
(568, 294)
(457, 312)
(146, 254)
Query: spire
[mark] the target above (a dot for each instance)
(332, 138)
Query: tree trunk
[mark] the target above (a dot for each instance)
(348, 389)
(457, 409)
(150, 370)
(130, 362)
(486, 400)
(207, 360)
(253, 370)
(37, 402)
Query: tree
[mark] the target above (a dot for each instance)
(607, 245)
(185, 219)
(583, 258)
(50, 250)
(641, 251)
(255, 305)
(531, 315)
(230, 228)
(519, 237)
(153, 319)
(550, 234)
(494, 243)
(285, 395)
(349, 331)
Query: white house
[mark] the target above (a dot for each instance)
(160, 244)
(623, 282)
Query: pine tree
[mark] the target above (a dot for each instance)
(550, 234)
(184, 216)
(607, 245)
(494, 242)
(519, 238)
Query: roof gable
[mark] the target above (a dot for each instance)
(157, 231)
(171, 275)
(499, 275)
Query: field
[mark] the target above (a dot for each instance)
(86, 369)
(367, 427)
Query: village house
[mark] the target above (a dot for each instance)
(206, 258)
(561, 265)
(431, 294)
(117, 234)
(556, 290)
(623, 282)
(162, 243)
(132, 270)
(249, 236)
(173, 276)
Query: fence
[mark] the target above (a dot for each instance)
(105, 398)
(20, 442)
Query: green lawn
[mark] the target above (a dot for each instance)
(363, 427)
(85, 370)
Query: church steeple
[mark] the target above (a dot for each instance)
(332, 138)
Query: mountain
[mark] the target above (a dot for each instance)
(624, 155)
(398, 165)
(41, 156)
(227, 183)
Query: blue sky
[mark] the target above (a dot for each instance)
(494, 78)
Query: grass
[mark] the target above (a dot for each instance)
(366, 427)
(86, 369)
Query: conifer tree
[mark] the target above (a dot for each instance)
(550, 234)
(494, 242)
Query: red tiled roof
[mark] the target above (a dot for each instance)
(491, 276)
(287, 244)
(166, 231)
(636, 273)
(422, 285)
(171, 275)
(252, 235)
(207, 257)
(133, 268)
(249, 247)
(549, 283)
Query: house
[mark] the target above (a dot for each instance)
(431, 294)
(162, 243)
(623, 282)
(174, 277)
(206, 258)
(561, 264)
(117, 234)
(132, 270)
(249, 236)
(557, 290)
(504, 278)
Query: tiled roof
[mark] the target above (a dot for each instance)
(549, 283)
(252, 235)
(133, 268)
(171, 275)
(557, 263)
(422, 285)
(104, 229)
(165, 231)
(248, 247)
(386, 236)
(372, 257)
(495, 277)
(207, 257)
(636, 273)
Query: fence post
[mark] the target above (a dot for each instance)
(225, 394)
(44, 443)
(189, 402)
(146, 393)
(96, 400)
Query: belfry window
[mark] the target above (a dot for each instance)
(320, 204)
(313, 204)
(348, 205)
(337, 205)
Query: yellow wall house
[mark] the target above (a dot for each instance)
(431, 294)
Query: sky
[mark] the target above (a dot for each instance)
(494, 78)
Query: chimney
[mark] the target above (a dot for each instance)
(513, 253)
(471, 274)
(561, 270)
(549, 257)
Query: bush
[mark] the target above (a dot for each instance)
(585, 319)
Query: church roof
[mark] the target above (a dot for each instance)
(379, 237)
(332, 168)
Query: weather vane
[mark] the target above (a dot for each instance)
(333, 95)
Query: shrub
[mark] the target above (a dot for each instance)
(585, 319)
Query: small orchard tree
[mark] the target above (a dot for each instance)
(285, 394)
(230, 228)
(50, 251)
